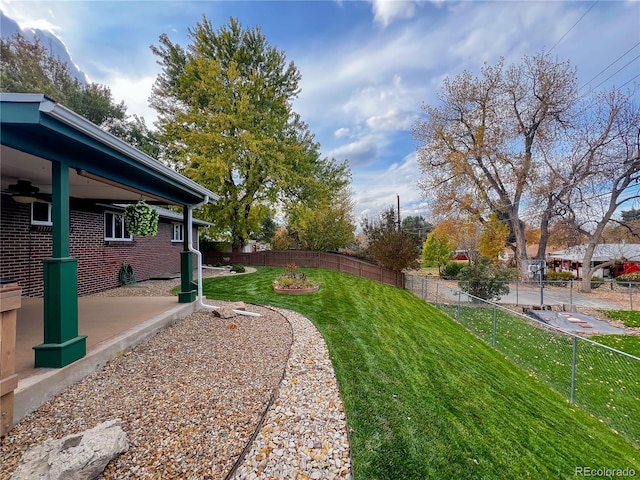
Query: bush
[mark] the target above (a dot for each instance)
(484, 280)
(237, 268)
(596, 281)
(451, 269)
(628, 278)
(560, 278)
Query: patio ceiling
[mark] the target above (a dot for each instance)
(36, 131)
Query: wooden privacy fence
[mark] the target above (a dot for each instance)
(332, 261)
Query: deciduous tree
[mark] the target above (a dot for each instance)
(436, 250)
(389, 247)
(225, 112)
(479, 146)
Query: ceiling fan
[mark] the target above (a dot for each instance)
(23, 191)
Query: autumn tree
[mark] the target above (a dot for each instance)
(479, 146)
(493, 238)
(389, 247)
(29, 67)
(225, 115)
(464, 233)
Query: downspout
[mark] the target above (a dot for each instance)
(198, 254)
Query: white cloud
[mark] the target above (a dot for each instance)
(360, 152)
(375, 191)
(341, 132)
(384, 11)
(135, 92)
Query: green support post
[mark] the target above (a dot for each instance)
(62, 345)
(187, 292)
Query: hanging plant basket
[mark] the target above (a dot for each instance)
(141, 219)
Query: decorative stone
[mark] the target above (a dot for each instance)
(82, 456)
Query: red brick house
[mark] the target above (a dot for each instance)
(25, 237)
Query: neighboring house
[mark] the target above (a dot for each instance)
(77, 243)
(97, 239)
(625, 258)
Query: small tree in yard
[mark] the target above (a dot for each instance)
(484, 280)
(436, 251)
(390, 248)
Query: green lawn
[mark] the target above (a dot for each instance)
(607, 384)
(426, 399)
(631, 318)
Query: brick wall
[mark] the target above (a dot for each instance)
(23, 246)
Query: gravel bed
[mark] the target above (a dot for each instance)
(304, 434)
(208, 398)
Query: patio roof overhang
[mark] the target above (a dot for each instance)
(36, 131)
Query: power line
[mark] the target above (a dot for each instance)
(609, 66)
(618, 71)
(567, 32)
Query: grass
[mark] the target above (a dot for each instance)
(426, 399)
(607, 384)
(630, 318)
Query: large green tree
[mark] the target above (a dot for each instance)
(225, 117)
(29, 67)
(325, 226)
(437, 250)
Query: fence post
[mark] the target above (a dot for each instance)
(495, 325)
(459, 301)
(574, 368)
(437, 288)
(571, 295)
(424, 296)
(630, 297)
(517, 292)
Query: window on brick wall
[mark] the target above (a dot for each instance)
(114, 227)
(41, 213)
(177, 232)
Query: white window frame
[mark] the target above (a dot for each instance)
(177, 228)
(48, 222)
(113, 227)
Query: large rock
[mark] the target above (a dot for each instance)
(81, 456)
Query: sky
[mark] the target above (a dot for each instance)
(367, 67)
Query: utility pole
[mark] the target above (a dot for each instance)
(399, 224)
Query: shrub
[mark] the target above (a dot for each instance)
(560, 278)
(596, 281)
(484, 280)
(237, 268)
(628, 278)
(451, 269)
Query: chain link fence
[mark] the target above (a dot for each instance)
(606, 294)
(602, 380)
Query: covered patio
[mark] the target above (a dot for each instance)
(67, 156)
(64, 158)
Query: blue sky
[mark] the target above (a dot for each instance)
(367, 66)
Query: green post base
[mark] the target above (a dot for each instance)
(187, 293)
(187, 297)
(58, 355)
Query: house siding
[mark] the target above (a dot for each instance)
(24, 246)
